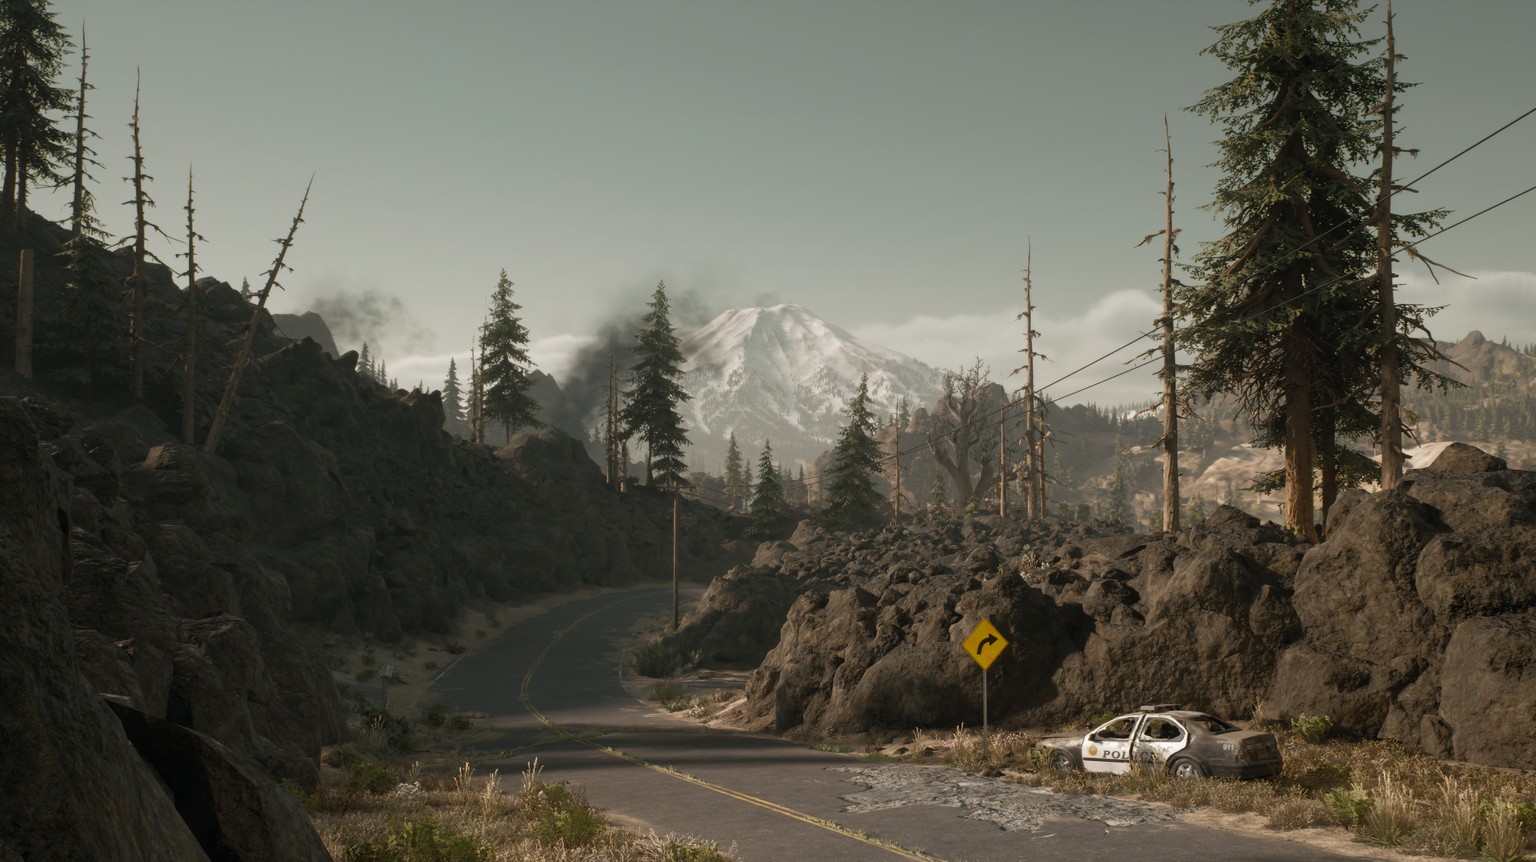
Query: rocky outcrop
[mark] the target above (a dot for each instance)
(75, 788)
(1414, 621)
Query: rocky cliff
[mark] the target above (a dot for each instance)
(145, 574)
(1414, 621)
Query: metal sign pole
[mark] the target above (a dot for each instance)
(986, 727)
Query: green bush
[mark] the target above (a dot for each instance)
(562, 816)
(1312, 728)
(435, 715)
(676, 852)
(297, 792)
(420, 839)
(341, 757)
(1348, 807)
(657, 659)
(460, 722)
(366, 777)
(669, 693)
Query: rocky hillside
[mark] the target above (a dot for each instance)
(1414, 621)
(154, 688)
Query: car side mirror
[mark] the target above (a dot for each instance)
(1093, 737)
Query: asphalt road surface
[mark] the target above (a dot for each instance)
(553, 687)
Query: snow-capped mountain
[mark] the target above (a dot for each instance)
(785, 375)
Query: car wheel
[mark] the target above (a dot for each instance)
(1186, 767)
(1061, 761)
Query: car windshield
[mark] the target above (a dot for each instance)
(1209, 724)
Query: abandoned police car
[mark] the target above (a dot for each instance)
(1190, 744)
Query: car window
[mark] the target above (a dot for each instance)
(1120, 728)
(1210, 724)
(1162, 729)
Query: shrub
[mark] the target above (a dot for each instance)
(676, 852)
(366, 777)
(363, 675)
(657, 658)
(1298, 814)
(430, 665)
(454, 648)
(341, 757)
(435, 715)
(460, 722)
(293, 789)
(1348, 807)
(669, 693)
(561, 815)
(420, 839)
(1312, 728)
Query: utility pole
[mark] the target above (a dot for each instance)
(1391, 370)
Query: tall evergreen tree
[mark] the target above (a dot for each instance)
(852, 501)
(504, 363)
(453, 396)
(1282, 318)
(32, 50)
(768, 501)
(735, 486)
(655, 394)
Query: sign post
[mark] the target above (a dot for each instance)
(386, 673)
(984, 644)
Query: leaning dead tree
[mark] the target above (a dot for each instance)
(227, 403)
(189, 356)
(1169, 372)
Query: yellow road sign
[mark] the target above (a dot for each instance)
(985, 643)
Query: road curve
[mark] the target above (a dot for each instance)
(553, 688)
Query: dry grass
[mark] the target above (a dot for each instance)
(475, 816)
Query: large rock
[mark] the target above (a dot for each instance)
(71, 785)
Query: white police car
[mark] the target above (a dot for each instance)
(1189, 744)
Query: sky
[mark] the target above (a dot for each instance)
(884, 163)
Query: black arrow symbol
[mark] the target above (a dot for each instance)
(985, 642)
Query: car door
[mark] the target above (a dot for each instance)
(1159, 738)
(1108, 747)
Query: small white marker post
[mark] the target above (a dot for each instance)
(386, 673)
(984, 644)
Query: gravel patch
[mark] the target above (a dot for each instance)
(995, 800)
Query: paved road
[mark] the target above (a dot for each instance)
(553, 688)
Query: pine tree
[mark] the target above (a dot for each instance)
(735, 488)
(32, 50)
(655, 394)
(852, 502)
(453, 397)
(938, 497)
(768, 502)
(1283, 319)
(505, 366)
(747, 481)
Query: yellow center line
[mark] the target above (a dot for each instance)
(810, 819)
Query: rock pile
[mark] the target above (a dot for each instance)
(1415, 620)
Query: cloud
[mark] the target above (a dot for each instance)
(359, 314)
(1069, 342)
(1500, 304)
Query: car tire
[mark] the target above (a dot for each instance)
(1061, 761)
(1187, 767)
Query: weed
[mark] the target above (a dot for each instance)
(454, 648)
(420, 839)
(435, 715)
(1312, 728)
(1325, 777)
(305, 800)
(676, 852)
(363, 675)
(430, 665)
(1298, 813)
(460, 722)
(1392, 818)
(669, 693)
(1504, 838)
(832, 747)
(1042, 760)
(366, 777)
(1348, 807)
(657, 658)
(341, 757)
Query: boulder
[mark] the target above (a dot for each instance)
(1488, 690)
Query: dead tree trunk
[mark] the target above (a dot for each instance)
(1391, 370)
(24, 316)
(227, 403)
(611, 421)
(1034, 466)
(137, 341)
(1170, 365)
(189, 356)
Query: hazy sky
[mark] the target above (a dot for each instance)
(881, 162)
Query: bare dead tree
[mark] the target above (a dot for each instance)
(611, 420)
(1391, 368)
(227, 403)
(189, 356)
(138, 342)
(1034, 438)
(1169, 373)
(957, 430)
